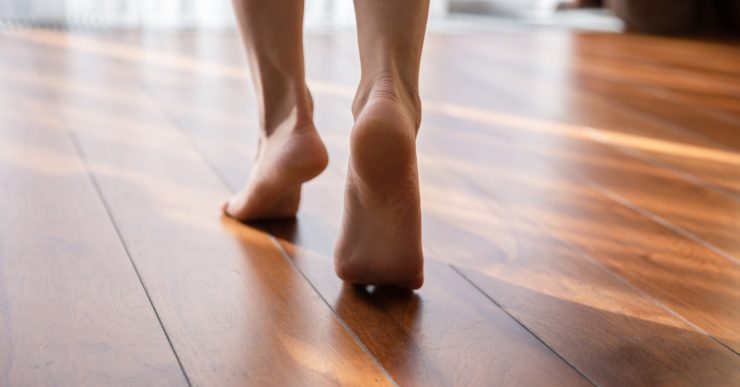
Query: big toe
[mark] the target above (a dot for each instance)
(413, 285)
(230, 207)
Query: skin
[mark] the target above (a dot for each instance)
(380, 237)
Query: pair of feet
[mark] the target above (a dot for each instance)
(380, 236)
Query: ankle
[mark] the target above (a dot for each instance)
(390, 86)
(290, 112)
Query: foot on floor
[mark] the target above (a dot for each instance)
(380, 239)
(291, 155)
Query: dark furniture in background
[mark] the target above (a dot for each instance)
(678, 16)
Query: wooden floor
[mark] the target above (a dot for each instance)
(581, 197)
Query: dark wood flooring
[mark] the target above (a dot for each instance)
(581, 198)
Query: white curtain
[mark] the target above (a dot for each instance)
(157, 13)
(167, 13)
(120, 13)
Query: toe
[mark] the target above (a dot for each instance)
(225, 207)
(413, 285)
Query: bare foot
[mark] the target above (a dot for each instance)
(380, 240)
(287, 158)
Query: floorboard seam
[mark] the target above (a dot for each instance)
(338, 317)
(666, 124)
(481, 291)
(671, 168)
(109, 213)
(656, 218)
(578, 251)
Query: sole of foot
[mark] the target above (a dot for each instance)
(285, 160)
(380, 238)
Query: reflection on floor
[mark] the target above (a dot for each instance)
(581, 197)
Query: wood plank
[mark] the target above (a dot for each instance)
(705, 214)
(72, 309)
(448, 333)
(445, 334)
(713, 126)
(514, 254)
(552, 192)
(530, 186)
(719, 131)
(676, 57)
(707, 129)
(570, 59)
(684, 142)
(236, 309)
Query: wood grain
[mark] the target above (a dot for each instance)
(690, 137)
(627, 205)
(525, 171)
(72, 309)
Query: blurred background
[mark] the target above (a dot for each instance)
(320, 14)
(655, 16)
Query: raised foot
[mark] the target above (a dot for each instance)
(380, 239)
(285, 160)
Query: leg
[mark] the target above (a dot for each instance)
(380, 241)
(290, 151)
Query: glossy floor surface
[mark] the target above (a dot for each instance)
(581, 199)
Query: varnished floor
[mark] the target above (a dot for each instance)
(581, 197)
